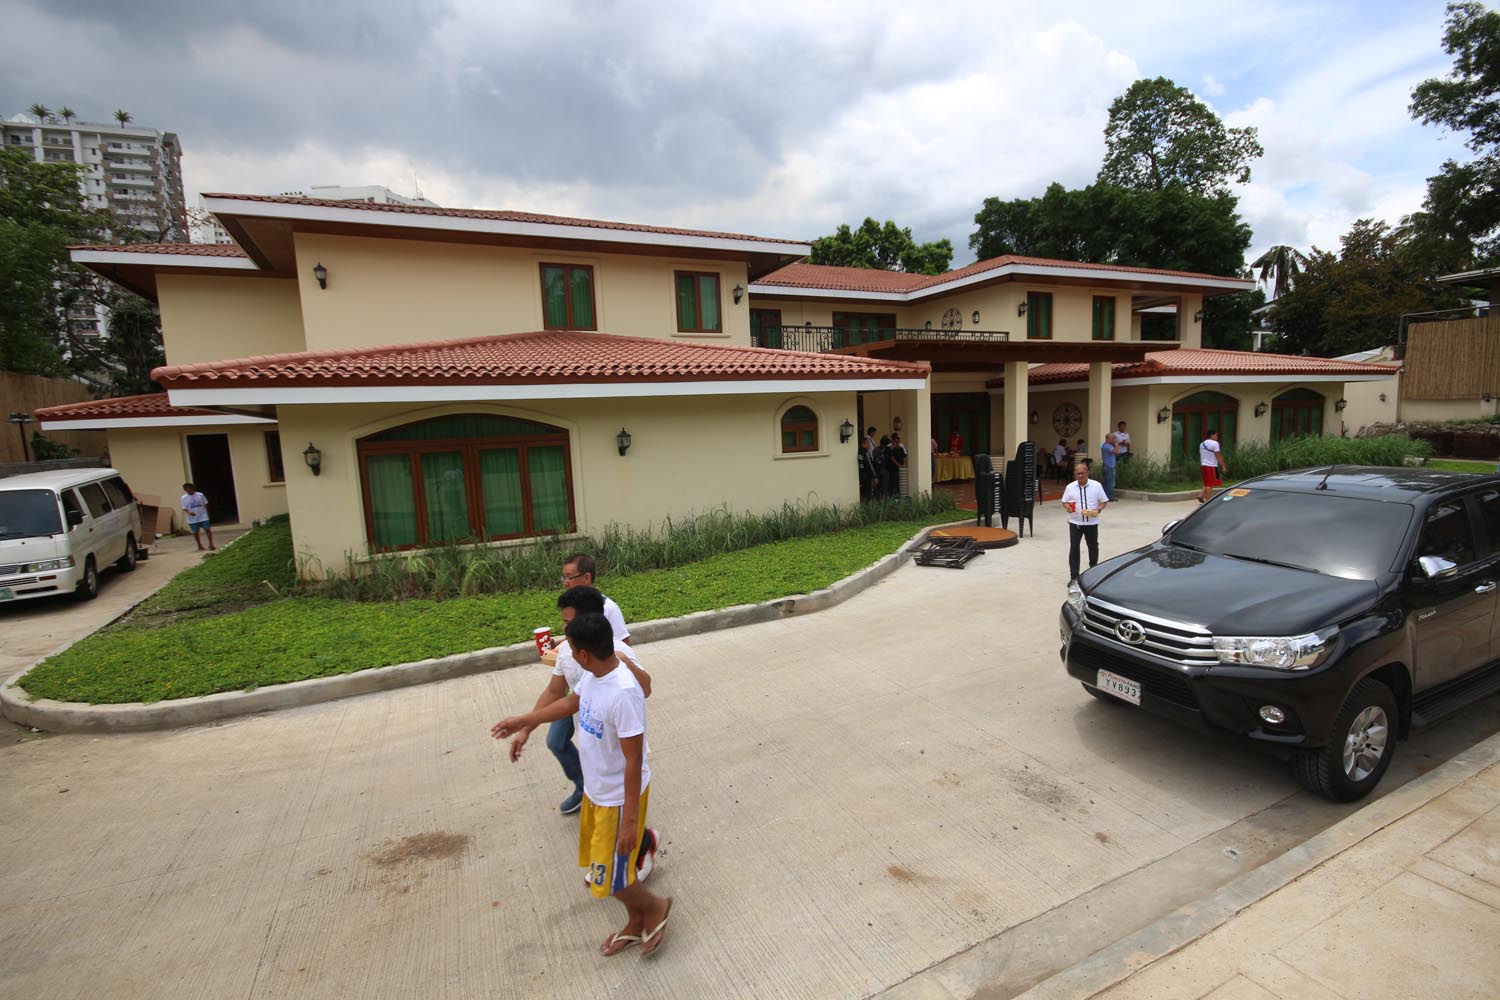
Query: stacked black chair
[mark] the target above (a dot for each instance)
(1021, 489)
(989, 489)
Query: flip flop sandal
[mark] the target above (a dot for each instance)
(656, 932)
(623, 940)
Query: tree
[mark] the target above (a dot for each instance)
(67, 114)
(1353, 301)
(123, 117)
(1281, 263)
(134, 344)
(41, 111)
(1159, 134)
(883, 247)
(1459, 225)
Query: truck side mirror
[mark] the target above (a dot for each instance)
(1170, 525)
(75, 518)
(1436, 567)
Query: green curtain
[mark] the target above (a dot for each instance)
(554, 298)
(708, 300)
(1104, 318)
(500, 479)
(582, 281)
(549, 488)
(447, 503)
(687, 312)
(392, 500)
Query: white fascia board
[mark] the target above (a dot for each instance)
(594, 390)
(465, 224)
(1205, 379)
(1004, 271)
(163, 259)
(115, 423)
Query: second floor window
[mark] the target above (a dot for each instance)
(698, 302)
(568, 297)
(1104, 317)
(1038, 315)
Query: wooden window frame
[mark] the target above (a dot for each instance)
(275, 468)
(841, 321)
(567, 270)
(1202, 410)
(1284, 409)
(763, 315)
(1034, 318)
(1097, 316)
(797, 428)
(473, 484)
(697, 301)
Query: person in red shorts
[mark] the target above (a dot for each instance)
(1211, 463)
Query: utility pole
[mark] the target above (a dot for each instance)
(21, 420)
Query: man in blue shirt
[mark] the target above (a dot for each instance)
(1107, 460)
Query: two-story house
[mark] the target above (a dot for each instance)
(400, 376)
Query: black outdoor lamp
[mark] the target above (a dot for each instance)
(1260, 409)
(1036, 417)
(1021, 309)
(1164, 414)
(739, 293)
(846, 431)
(976, 317)
(321, 273)
(623, 440)
(1340, 404)
(313, 457)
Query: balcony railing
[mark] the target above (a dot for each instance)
(822, 339)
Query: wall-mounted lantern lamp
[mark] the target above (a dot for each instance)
(1382, 397)
(928, 325)
(313, 457)
(739, 293)
(623, 440)
(846, 431)
(1487, 398)
(1340, 404)
(321, 273)
(1036, 417)
(1198, 316)
(1021, 309)
(976, 317)
(1260, 409)
(1164, 414)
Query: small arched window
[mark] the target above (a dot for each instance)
(799, 430)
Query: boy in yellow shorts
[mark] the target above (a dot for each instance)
(611, 711)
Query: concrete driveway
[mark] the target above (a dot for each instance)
(904, 794)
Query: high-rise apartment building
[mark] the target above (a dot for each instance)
(132, 172)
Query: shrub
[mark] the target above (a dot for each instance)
(1255, 459)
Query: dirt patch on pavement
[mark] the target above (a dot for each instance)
(422, 847)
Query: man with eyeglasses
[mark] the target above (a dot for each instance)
(578, 571)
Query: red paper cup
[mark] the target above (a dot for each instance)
(541, 635)
(1072, 507)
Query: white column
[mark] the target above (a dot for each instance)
(919, 441)
(1098, 422)
(1015, 407)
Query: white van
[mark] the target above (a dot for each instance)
(58, 529)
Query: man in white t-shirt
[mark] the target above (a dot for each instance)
(611, 708)
(1122, 443)
(195, 509)
(1083, 499)
(1211, 463)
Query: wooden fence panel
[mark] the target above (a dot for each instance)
(1453, 359)
(24, 393)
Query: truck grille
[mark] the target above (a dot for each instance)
(1162, 682)
(1190, 645)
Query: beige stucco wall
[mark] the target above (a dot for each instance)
(405, 291)
(154, 461)
(209, 318)
(1438, 410)
(689, 454)
(1372, 402)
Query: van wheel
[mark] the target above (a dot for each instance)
(126, 562)
(1359, 747)
(88, 587)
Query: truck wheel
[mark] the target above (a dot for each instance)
(1359, 748)
(126, 563)
(1108, 699)
(88, 586)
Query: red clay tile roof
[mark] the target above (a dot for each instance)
(1206, 362)
(496, 216)
(153, 405)
(859, 279)
(548, 357)
(185, 249)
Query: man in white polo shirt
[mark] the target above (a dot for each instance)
(1083, 499)
(1211, 464)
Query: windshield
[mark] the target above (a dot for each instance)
(29, 513)
(1326, 533)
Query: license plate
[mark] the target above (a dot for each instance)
(1121, 687)
(6, 594)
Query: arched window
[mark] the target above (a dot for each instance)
(1296, 413)
(799, 430)
(468, 476)
(1196, 415)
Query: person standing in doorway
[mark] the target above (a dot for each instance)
(1211, 464)
(195, 508)
(1107, 458)
(1122, 443)
(1083, 499)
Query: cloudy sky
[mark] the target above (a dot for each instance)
(778, 117)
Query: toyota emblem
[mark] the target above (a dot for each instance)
(1130, 632)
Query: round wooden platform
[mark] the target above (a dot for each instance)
(988, 538)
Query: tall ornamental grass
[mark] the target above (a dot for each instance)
(467, 569)
(1256, 459)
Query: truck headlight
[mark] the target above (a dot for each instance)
(66, 562)
(1075, 597)
(1296, 652)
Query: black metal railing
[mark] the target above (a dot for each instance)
(822, 339)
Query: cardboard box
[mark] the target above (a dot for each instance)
(156, 519)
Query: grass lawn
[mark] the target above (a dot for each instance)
(1460, 465)
(178, 648)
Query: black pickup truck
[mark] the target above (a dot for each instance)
(1316, 611)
